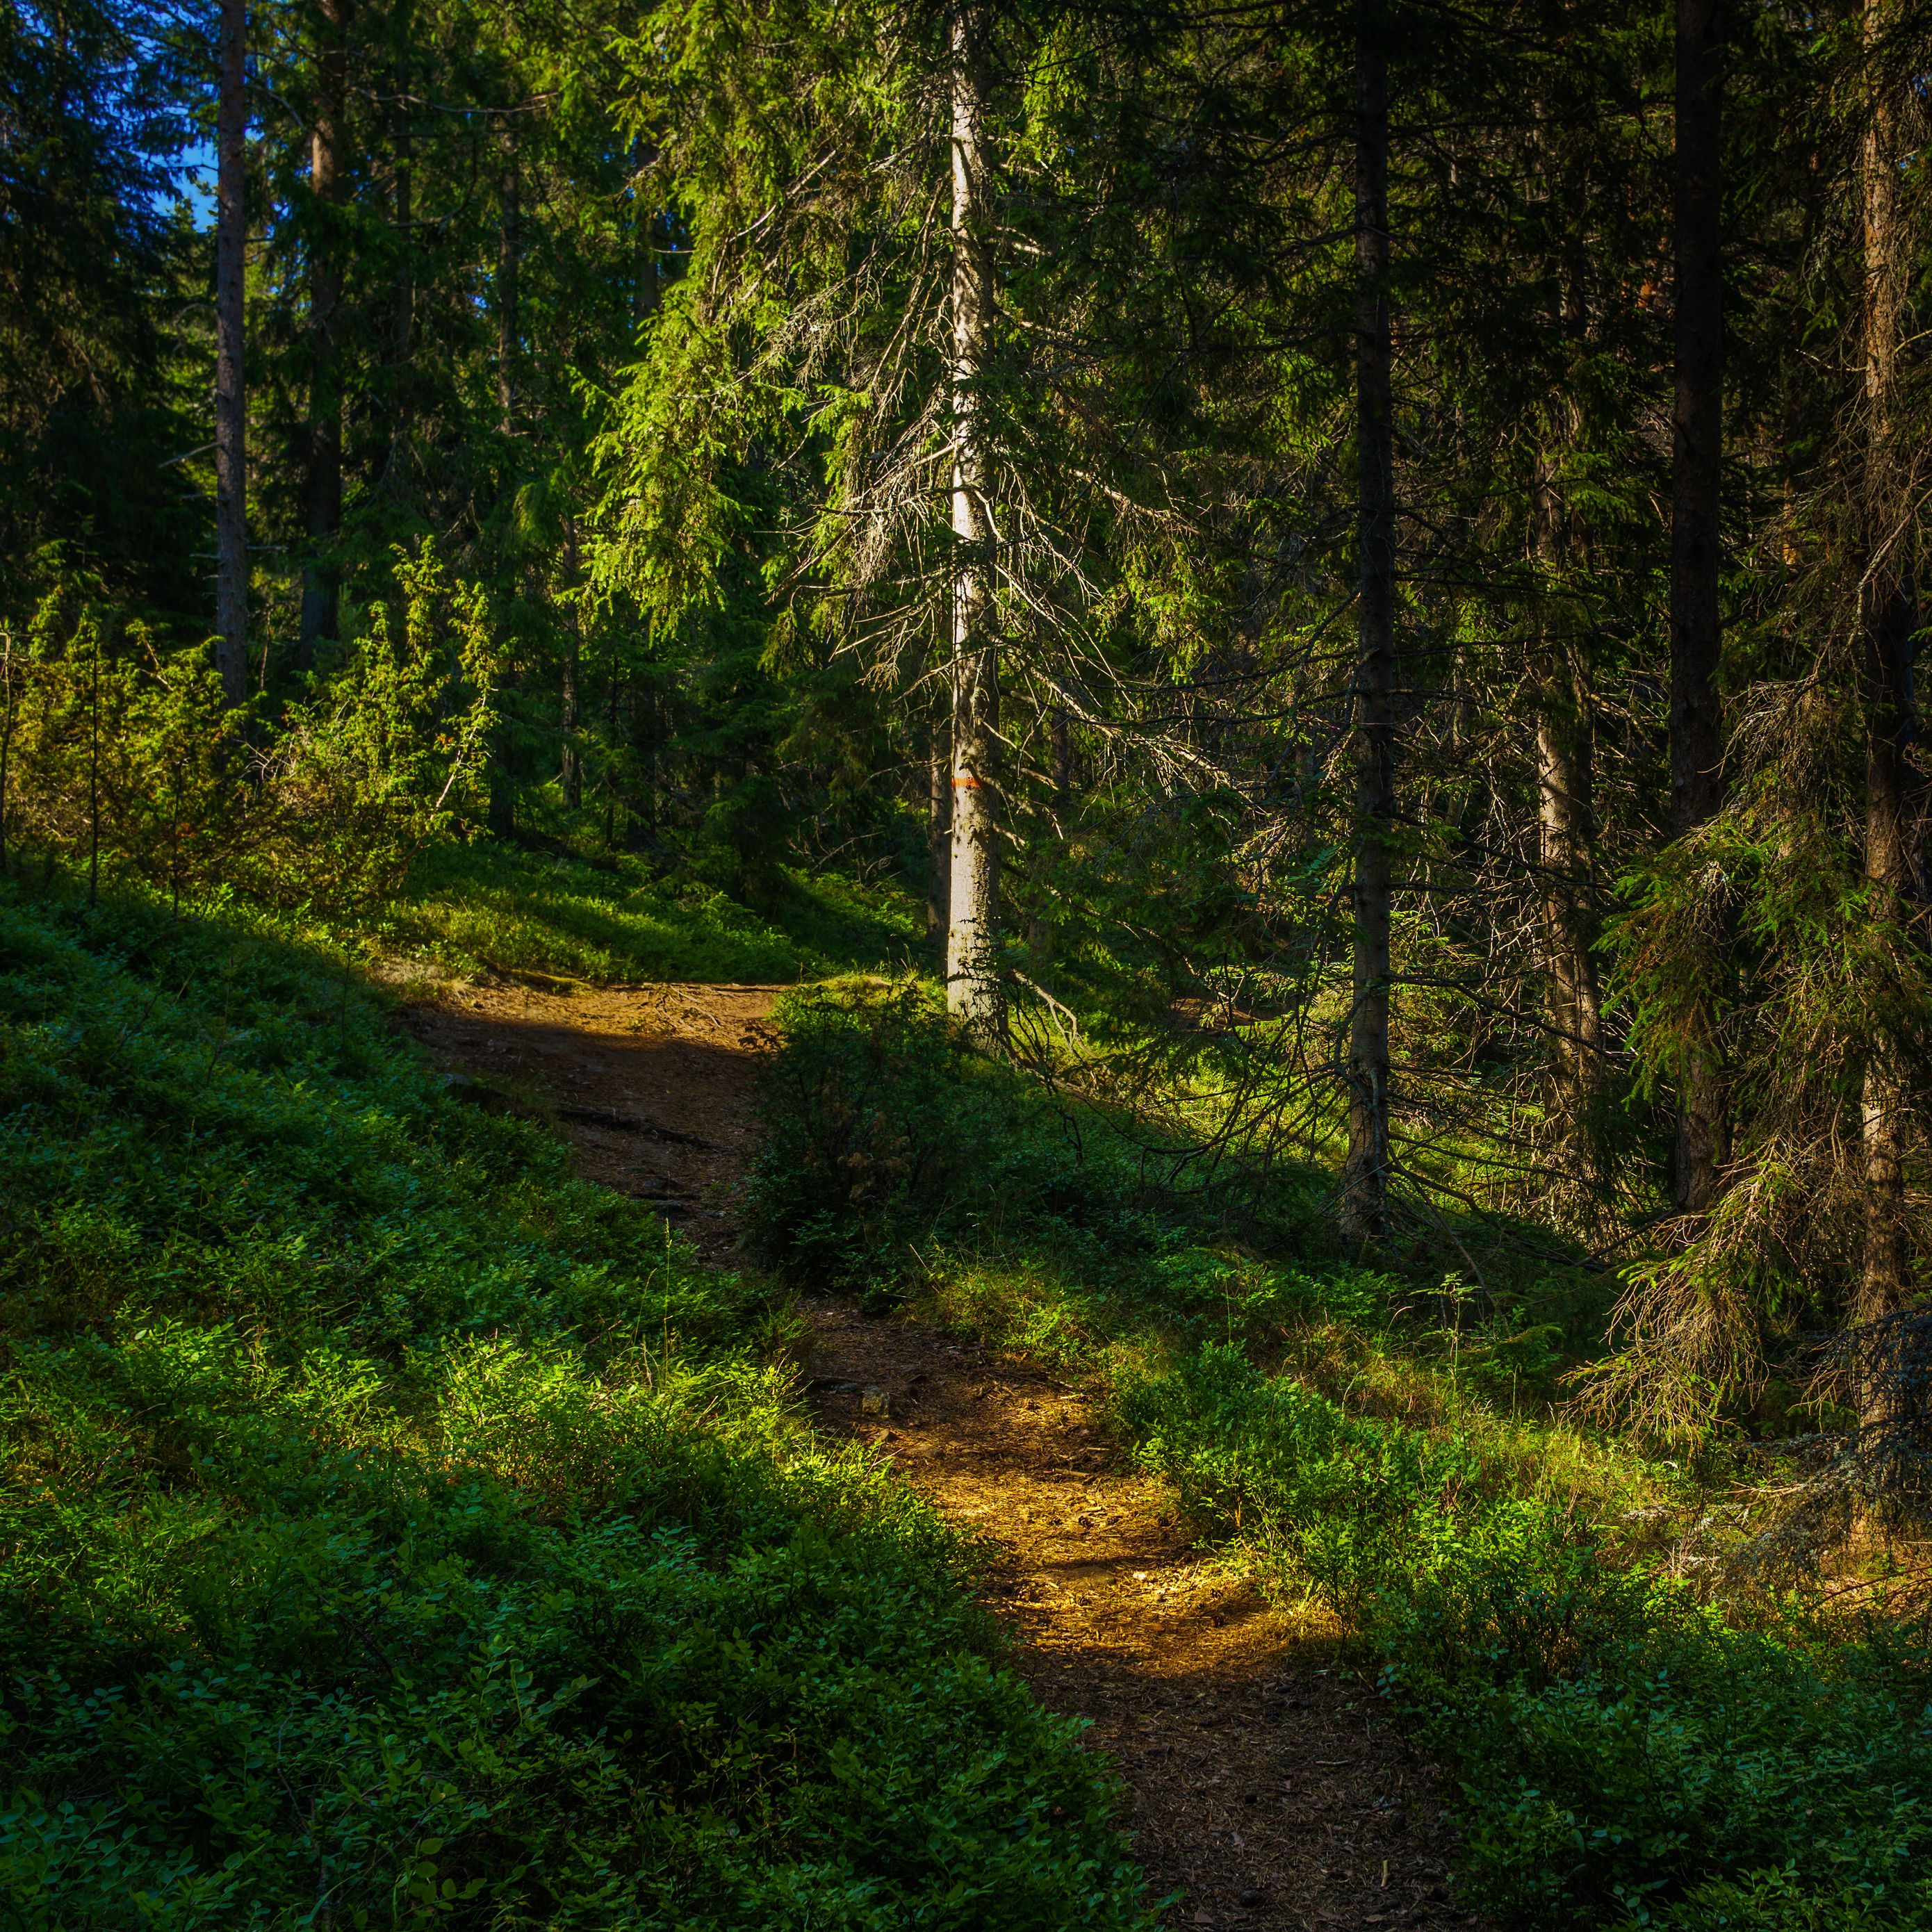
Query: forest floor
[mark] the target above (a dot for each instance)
(1262, 1779)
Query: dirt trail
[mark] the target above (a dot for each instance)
(652, 1085)
(1265, 1784)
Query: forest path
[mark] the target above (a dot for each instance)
(652, 1085)
(1264, 1782)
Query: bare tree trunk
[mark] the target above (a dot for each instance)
(1565, 820)
(610, 785)
(231, 408)
(503, 756)
(570, 762)
(322, 484)
(402, 399)
(503, 760)
(1887, 622)
(646, 712)
(1365, 1172)
(1696, 723)
(975, 993)
(939, 825)
(509, 247)
(1563, 783)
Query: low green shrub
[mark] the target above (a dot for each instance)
(1626, 1753)
(875, 1127)
(1623, 1751)
(494, 907)
(123, 760)
(887, 1139)
(396, 1530)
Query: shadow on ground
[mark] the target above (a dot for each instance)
(651, 1085)
(1265, 1785)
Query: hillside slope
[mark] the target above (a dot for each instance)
(397, 1529)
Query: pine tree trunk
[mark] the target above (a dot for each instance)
(975, 994)
(570, 762)
(1696, 724)
(231, 409)
(322, 483)
(939, 827)
(502, 764)
(1365, 1173)
(509, 248)
(611, 712)
(1887, 620)
(1565, 821)
(647, 735)
(401, 391)
(1563, 757)
(503, 760)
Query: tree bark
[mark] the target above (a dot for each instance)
(402, 397)
(975, 992)
(611, 712)
(939, 827)
(322, 484)
(1887, 620)
(1566, 825)
(1365, 1171)
(509, 248)
(231, 410)
(502, 764)
(1696, 723)
(1563, 783)
(647, 734)
(503, 760)
(570, 760)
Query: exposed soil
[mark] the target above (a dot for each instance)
(652, 1085)
(1265, 1786)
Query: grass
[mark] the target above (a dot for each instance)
(1386, 1443)
(497, 908)
(398, 1530)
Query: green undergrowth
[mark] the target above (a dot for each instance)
(1386, 1443)
(492, 906)
(397, 1531)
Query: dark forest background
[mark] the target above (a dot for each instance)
(1340, 584)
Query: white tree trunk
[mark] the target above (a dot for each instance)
(974, 992)
(1566, 825)
(939, 826)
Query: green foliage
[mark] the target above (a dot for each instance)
(397, 1528)
(1626, 1752)
(1616, 1742)
(499, 909)
(1760, 944)
(647, 320)
(890, 1143)
(122, 760)
(1778, 1901)
(97, 272)
(876, 1124)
